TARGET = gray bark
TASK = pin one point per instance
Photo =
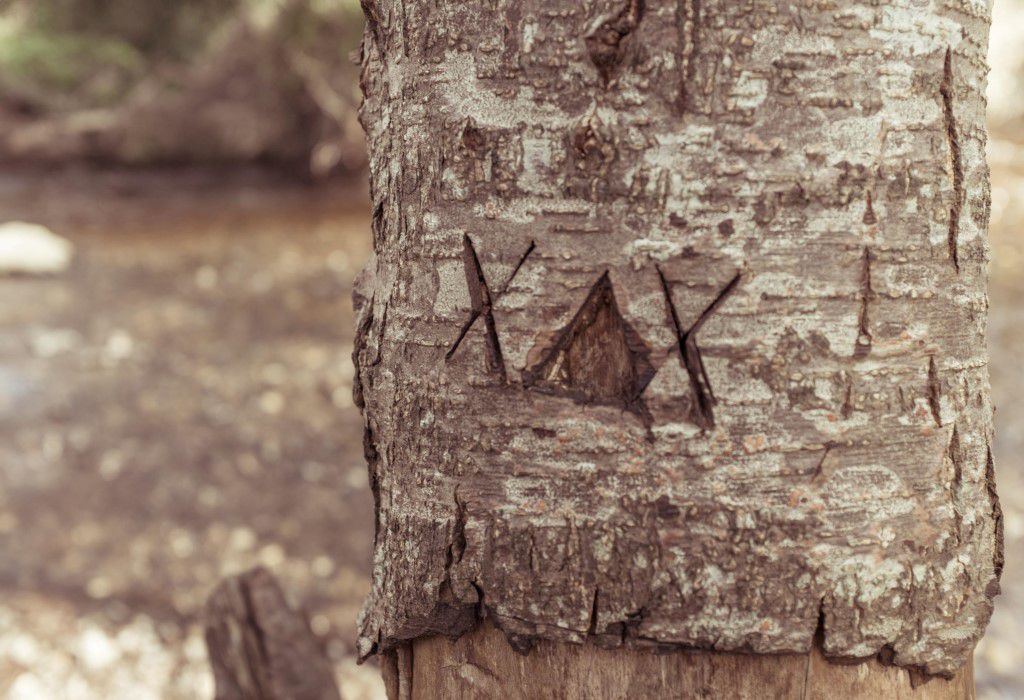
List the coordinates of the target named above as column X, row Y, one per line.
column 675, row 333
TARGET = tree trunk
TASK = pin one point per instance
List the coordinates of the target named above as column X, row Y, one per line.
column 675, row 338
column 482, row 665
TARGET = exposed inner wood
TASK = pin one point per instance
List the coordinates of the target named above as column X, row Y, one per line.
column 482, row 665
column 597, row 358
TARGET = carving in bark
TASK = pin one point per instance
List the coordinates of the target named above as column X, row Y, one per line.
column 597, row 358
column 614, row 438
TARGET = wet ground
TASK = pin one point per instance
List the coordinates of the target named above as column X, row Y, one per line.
column 177, row 407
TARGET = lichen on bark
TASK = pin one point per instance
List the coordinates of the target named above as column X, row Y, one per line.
column 564, row 194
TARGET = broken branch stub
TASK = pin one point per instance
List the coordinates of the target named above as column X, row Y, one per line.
column 260, row 648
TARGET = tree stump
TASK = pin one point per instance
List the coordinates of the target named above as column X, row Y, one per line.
column 260, row 648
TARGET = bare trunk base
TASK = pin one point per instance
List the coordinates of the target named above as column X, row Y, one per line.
column 482, row 665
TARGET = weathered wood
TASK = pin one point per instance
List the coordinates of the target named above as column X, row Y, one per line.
column 260, row 648
column 482, row 665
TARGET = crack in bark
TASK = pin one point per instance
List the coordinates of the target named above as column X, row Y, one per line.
column 604, row 44
column 870, row 219
column 934, row 391
column 380, row 334
column 482, row 304
column 372, row 21
column 689, row 12
column 689, row 353
column 457, row 544
column 372, row 457
column 592, row 627
column 998, row 558
column 846, row 410
column 820, row 468
column 480, row 610
column 867, row 294
column 956, row 457
column 946, row 89
column 817, row 640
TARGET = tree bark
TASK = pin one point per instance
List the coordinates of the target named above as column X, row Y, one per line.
column 675, row 332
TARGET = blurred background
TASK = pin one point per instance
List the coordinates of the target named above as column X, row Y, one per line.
column 175, row 388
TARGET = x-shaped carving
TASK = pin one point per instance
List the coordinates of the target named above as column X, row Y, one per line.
column 482, row 302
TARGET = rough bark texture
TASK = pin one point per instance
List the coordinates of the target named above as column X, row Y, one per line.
column 260, row 648
column 481, row 664
column 675, row 333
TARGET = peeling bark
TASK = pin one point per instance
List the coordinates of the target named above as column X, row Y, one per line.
column 559, row 189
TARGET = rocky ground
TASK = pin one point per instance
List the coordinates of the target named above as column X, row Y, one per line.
column 174, row 408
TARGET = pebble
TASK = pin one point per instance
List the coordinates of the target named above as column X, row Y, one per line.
column 119, row 346
column 207, row 277
column 323, row 566
column 99, row 587
column 31, row 249
column 272, row 403
column 242, row 539
column 51, row 342
column 96, row 650
column 272, row 555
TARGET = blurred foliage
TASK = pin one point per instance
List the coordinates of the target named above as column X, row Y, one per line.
column 53, row 68
column 152, row 27
column 323, row 26
column 148, row 81
column 60, row 54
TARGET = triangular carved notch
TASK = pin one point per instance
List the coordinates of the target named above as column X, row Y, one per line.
column 598, row 358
